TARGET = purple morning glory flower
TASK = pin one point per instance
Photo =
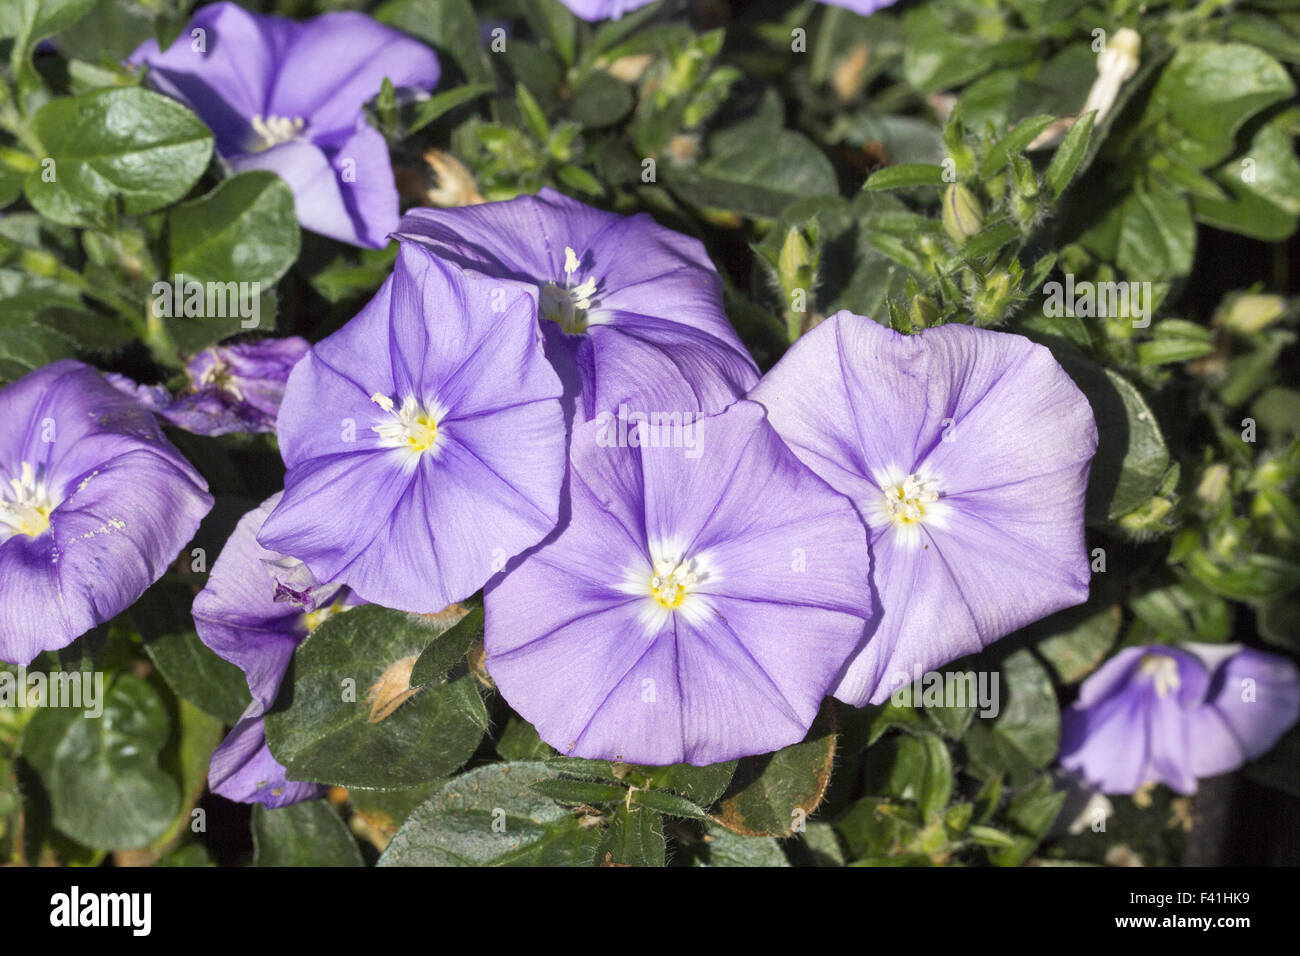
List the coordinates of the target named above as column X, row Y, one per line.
column 287, row 96
column 424, row 440
column 695, row 608
column 863, row 7
column 594, row 10
column 94, row 504
column 256, row 608
column 1170, row 715
column 236, row 388
column 613, row 9
column 966, row 452
column 636, row 308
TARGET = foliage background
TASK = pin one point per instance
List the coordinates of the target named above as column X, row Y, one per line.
column 816, row 170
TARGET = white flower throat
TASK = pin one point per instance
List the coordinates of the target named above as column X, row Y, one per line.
column 568, row 304
column 412, row 426
column 26, row 504
column 906, row 501
column 672, row 580
column 271, row 131
column 670, row 583
column 1163, row 672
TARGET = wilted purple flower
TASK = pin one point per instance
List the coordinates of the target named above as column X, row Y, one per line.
column 424, row 440
column 236, row 388
column 287, row 96
column 693, row 609
column 94, row 504
column 966, row 452
column 636, row 308
column 153, row 397
column 1170, row 715
column 256, row 608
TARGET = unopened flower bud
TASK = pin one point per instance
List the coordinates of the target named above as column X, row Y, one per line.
column 1252, row 313
column 962, row 216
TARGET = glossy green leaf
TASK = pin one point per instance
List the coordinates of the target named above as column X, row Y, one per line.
column 321, row 727
column 493, row 816
column 102, row 774
column 245, row 230
column 122, row 145
column 302, row 834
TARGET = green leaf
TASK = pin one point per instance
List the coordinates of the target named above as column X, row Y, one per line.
column 1261, row 187
column 534, row 117
column 448, row 648
column 724, row 848
column 875, row 827
column 1065, row 162
column 449, row 25
column 1075, row 641
column 576, row 792
column 493, row 816
column 245, row 230
column 773, row 794
column 702, row 785
column 1013, row 143
column 387, row 810
column 30, row 21
column 1026, row 732
column 669, row 803
column 101, row 774
column 1208, row 90
column 1030, row 814
column 600, row 100
column 1157, row 235
column 552, row 19
column 1175, row 340
column 905, row 175
column 122, row 144
column 912, row 768
column 302, row 834
column 26, row 345
column 321, row 726
column 520, row 741
column 1253, row 577
column 426, row 111
column 190, row 668
column 1132, row 456
column 633, row 838
column 756, row 167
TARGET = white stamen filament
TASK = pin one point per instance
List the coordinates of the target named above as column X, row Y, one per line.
column 906, row 500
column 414, row 425
column 273, row 130
column 568, row 304
column 25, row 508
column 1163, row 671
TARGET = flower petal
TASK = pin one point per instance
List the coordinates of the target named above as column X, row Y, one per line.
column 337, row 62
column 242, row 768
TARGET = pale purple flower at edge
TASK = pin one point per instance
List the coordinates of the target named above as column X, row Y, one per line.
column 256, row 608
column 94, row 504
column 424, row 441
column 693, row 609
column 1173, row 714
column 287, row 97
column 966, row 452
column 632, row 311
